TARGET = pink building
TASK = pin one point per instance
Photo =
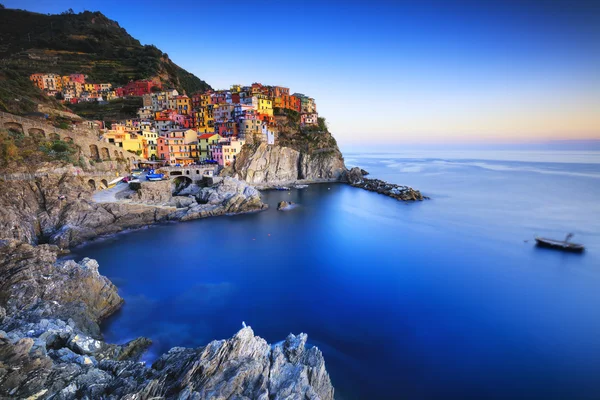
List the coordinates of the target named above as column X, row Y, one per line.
column 216, row 153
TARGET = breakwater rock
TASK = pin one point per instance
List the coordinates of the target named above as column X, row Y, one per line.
column 51, row 347
column 355, row 177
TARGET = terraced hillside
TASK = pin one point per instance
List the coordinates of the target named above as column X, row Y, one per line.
column 88, row 43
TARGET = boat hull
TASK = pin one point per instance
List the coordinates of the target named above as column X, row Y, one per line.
column 556, row 245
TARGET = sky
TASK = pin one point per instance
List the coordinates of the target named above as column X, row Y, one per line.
column 394, row 72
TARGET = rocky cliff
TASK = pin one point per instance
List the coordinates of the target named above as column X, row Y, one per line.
column 300, row 154
column 35, row 211
column 51, row 347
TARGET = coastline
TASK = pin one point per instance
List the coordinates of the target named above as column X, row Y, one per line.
column 105, row 221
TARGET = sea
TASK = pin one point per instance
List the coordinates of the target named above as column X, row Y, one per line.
column 447, row 298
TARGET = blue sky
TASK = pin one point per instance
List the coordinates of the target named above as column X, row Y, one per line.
column 396, row 72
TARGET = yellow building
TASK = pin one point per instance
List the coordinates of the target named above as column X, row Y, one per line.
column 183, row 105
column 88, row 87
column 127, row 139
column 205, row 120
column 265, row 105
column 151, row 136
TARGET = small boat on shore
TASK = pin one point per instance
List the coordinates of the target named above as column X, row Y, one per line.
column 301, row 186
column 155, row 177
column 282, row 188
column 563, row 245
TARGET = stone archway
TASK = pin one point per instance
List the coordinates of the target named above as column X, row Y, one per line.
column 94, row 154
column 181, row 182
column 121, row 154
column 92, row 184
column 103, row 184
column 36, row 133
column 104, row 153
column 14, row 126
column 116, row 155
column 54, row 136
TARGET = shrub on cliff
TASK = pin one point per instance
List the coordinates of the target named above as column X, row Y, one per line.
column 20, row 151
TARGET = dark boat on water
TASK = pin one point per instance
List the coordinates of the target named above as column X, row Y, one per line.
column 563, row 245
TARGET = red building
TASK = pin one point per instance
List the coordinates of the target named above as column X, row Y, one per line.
column 80, row 78
column 138, row 88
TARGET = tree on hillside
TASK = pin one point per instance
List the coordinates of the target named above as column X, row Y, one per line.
column 2, row 6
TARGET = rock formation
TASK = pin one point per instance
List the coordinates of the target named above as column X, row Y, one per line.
column 268, row 165
column 355, row 177
column 51, row 347
column 229, row 196
column 33, row 212
column 300, row 154
column 284, row 205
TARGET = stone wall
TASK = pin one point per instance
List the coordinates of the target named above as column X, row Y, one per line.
column 85, row 138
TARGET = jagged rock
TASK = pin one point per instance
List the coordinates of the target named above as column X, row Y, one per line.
column 398, row 192
column 284, row 205
column 183, row 202
column 31, row 281
column 158, row 192
column 49, row 350
column 229, row 196
column 354, row 176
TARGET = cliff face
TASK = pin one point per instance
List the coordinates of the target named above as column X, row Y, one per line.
column 34, row 211
column 300, row 154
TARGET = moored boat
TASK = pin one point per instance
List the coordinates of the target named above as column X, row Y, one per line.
column 155, row 177
column 563, row 245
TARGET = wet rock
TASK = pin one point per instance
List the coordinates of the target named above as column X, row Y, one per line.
column 354, row 176
column 398, row 192
column 284, row 205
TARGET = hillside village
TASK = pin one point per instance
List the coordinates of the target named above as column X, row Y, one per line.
column 210, row 126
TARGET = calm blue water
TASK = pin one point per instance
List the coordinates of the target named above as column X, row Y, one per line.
column 432, row 300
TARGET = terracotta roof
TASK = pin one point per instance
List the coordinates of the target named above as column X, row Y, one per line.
column 206, row 136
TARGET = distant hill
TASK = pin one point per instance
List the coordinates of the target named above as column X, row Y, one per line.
column 88, row 43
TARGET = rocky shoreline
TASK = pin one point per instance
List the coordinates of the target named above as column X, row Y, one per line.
column 51, row 345
column 355, row 177
column 50, row 341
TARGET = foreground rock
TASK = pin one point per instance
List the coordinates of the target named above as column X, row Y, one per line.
column 355, row 177
column 51, row 347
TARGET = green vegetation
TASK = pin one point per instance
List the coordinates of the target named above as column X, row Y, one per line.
column 309, row 139
column 294, row 115
column 18, row 95
column 87, row 43
column 115, row 109
column 16, row 149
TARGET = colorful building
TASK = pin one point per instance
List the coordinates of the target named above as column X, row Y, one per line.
column 204, row 142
